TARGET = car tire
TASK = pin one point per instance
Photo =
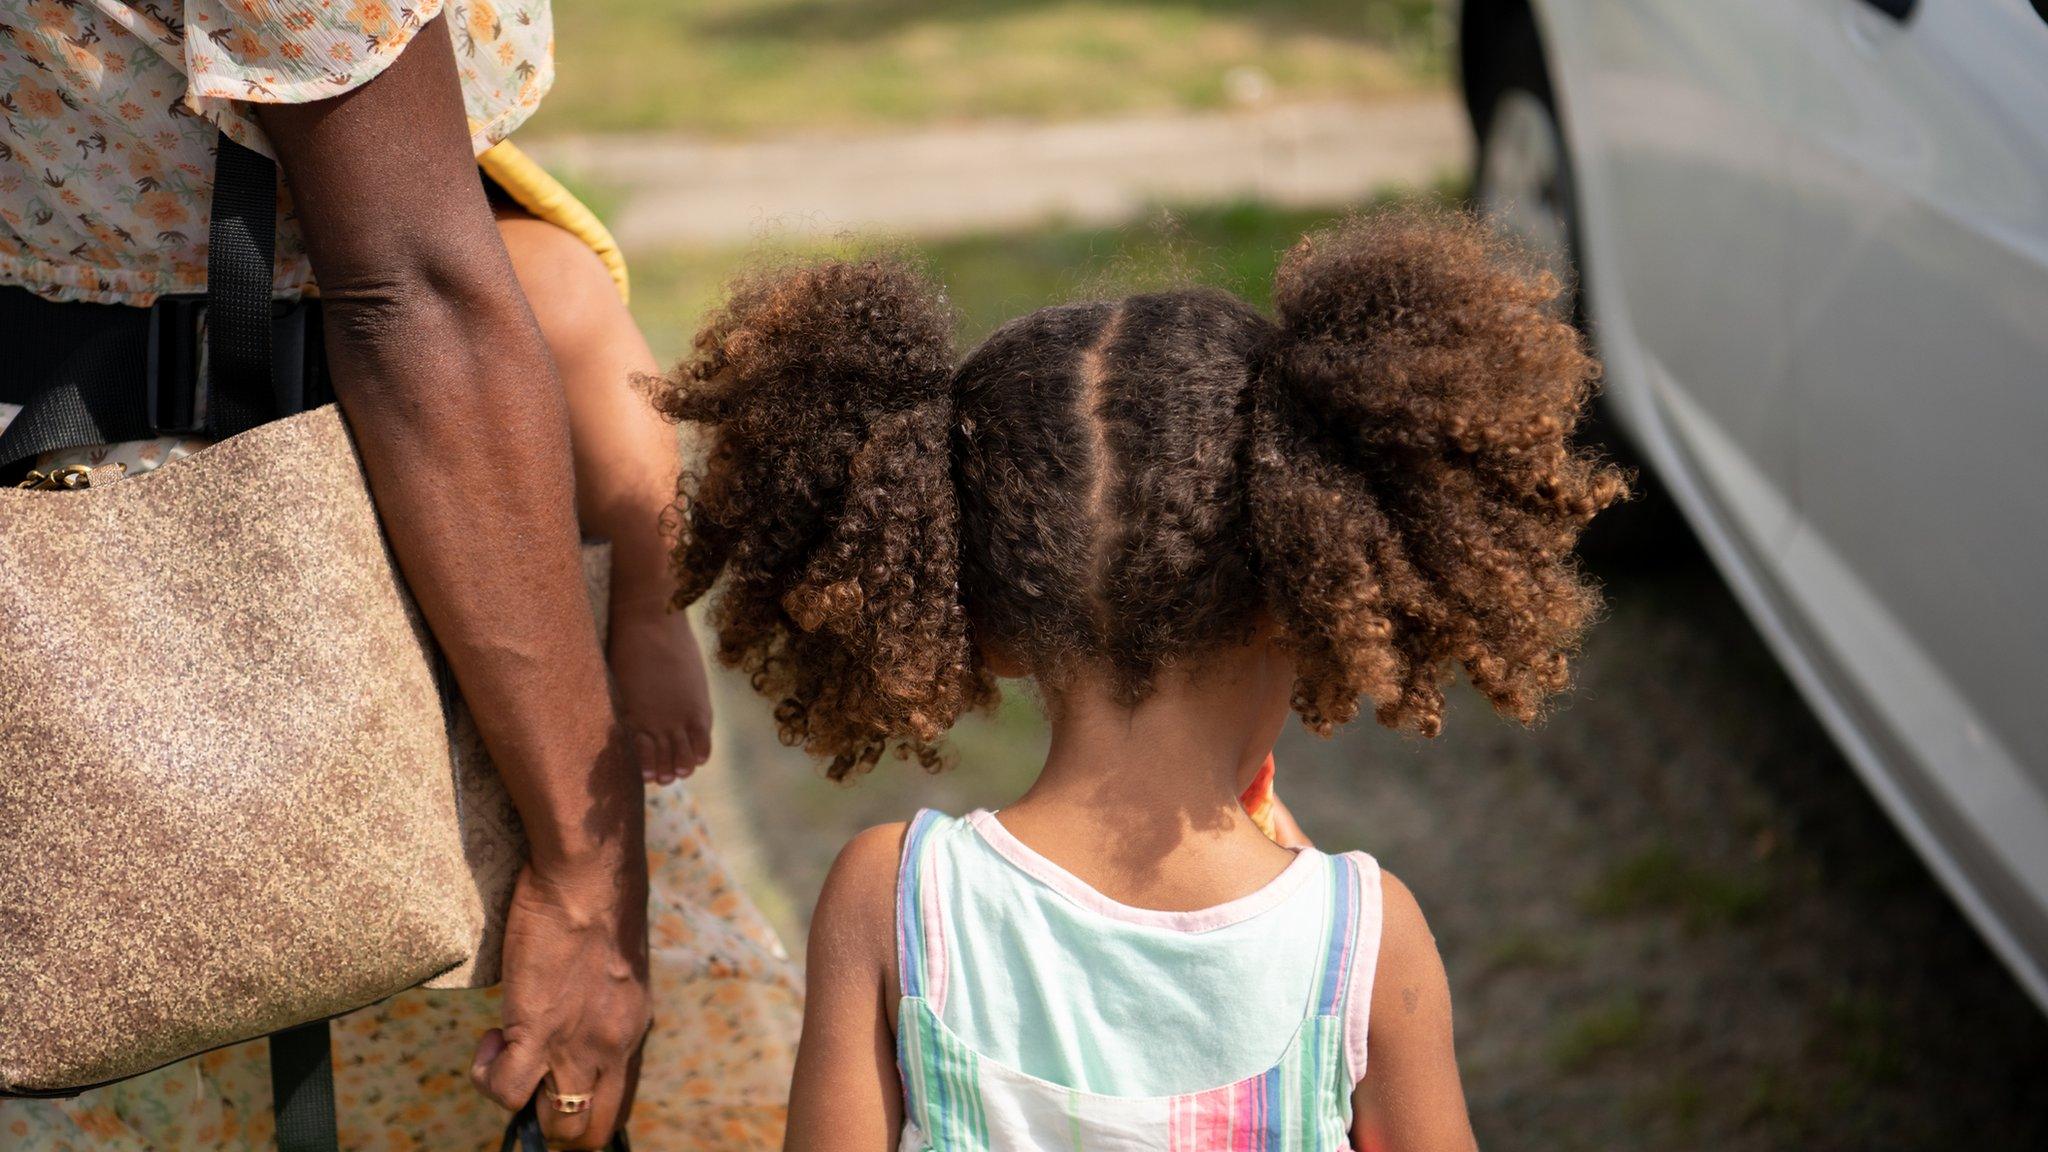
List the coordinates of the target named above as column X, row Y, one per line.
column 1523, row 182
column 1523, row 179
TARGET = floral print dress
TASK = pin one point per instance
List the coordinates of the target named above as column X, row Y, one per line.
column 110, row 107
column 108, row 114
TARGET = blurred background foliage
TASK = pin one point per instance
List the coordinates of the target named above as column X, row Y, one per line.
column 994, row 276
column 734, row 68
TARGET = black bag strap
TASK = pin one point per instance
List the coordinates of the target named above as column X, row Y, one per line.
column 73, row 369
column 236, row 373
column 215, row 365
column 240, row 258
column 302, row 1088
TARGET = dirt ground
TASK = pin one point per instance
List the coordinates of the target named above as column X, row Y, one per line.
column 1672, row 916
column 663, row 190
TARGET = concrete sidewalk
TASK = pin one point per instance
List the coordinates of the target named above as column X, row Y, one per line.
column 995, row 176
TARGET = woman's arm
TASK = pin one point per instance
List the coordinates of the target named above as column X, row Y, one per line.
column 626, row 466
column 846, row 1096
column 464, row 435
column 1411, row 1099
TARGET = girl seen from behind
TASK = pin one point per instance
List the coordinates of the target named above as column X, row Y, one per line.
column 1182, row 521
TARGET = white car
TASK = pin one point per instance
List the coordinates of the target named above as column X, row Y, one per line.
column 1812, row 240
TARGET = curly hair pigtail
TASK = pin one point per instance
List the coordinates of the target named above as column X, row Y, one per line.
column 826, row 505
column 1414, row 492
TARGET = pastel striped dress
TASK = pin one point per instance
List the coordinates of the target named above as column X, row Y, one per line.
column 1037, row 1013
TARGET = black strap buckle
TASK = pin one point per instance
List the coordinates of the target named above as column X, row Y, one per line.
column 176, row 374
column 212, row 365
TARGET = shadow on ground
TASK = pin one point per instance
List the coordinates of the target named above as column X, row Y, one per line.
column 1672, row 915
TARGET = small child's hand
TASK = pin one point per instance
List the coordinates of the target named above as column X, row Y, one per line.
column 1287, row 833
column 664, row 698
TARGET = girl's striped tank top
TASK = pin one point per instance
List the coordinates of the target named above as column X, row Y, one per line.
column 1037, row 1013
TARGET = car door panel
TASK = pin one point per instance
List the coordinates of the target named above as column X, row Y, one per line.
column 1919, row 233
column 1678, row 113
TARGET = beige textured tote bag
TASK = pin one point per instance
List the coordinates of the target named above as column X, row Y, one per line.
column 231, row 797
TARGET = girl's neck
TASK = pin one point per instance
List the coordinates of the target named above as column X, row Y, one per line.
column 1141, row 802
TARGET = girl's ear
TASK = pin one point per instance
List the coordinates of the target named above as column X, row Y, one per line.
column 999, row 660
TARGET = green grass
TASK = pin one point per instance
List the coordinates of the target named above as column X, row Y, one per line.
column 1681, row 1101
column 746, row 67
column 994, row 277
column 1858, row 1052
column 1585, row 1039
column 1661, row 879
column 1779, row 1101
column 1523, row 950
column 1863, row 1030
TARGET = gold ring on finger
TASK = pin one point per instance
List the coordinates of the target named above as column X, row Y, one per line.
column 569, row 1103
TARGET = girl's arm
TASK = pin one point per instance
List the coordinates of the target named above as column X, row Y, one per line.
column 846, row 1096
column 1411, row 1099
column 626, row 466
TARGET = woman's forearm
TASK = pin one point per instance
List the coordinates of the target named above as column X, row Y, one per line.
column 463, row 431
column 470, row 465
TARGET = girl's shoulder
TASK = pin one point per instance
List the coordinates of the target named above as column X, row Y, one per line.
column 1409, row 992
column 863, row 876
column 865, row 872
column 855, row 918
column 870, row 863
column 1407, row 946
column 856, row 910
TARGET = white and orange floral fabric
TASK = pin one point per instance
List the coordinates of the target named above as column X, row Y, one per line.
column 108, row 110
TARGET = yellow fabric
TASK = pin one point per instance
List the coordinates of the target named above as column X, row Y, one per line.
column 544, row 196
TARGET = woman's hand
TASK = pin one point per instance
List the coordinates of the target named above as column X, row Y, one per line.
column 664, row 697
column 576, row 1004
column 466, row 437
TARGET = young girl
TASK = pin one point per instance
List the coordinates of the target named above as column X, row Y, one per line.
column 1182, row 520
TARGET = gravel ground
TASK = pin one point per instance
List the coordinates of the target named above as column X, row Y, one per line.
column 1672, row 916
